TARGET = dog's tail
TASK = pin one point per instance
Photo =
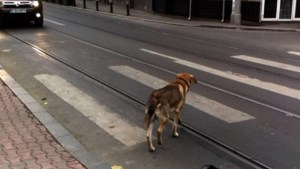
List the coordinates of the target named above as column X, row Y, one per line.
column 150, row 111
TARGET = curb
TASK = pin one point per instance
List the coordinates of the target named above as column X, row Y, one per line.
column 249, row 28
column 64, row 137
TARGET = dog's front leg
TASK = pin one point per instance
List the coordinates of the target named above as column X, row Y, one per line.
column 149, row 137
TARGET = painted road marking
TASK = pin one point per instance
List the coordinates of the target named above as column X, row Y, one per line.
column 268, row 63
column 294, row 53
column 112, row 123
column 197, row 101
column 57, row 23
column 279, row 89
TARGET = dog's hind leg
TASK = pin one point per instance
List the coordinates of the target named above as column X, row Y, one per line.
column 163, row 122
column 149, row 137
column 180, row 121
column 175, row 125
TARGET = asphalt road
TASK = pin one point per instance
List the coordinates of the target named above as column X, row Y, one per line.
column 247, row 97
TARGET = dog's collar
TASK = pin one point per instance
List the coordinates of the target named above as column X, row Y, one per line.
column 185, row 81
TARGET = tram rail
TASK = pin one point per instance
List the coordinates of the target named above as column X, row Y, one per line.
column 245, row 159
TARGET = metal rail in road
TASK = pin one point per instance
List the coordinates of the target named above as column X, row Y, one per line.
column 243, row 158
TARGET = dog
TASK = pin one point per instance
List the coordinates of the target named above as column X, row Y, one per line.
column 165, row 101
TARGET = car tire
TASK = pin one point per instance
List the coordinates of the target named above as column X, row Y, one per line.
column 39, row 22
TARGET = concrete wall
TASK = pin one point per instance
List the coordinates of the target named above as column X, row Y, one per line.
column 139, row 4
column 143, row 5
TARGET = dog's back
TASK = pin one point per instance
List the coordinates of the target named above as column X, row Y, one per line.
column 168, row 96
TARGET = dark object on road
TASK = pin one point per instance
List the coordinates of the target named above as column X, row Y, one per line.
column 209, row 167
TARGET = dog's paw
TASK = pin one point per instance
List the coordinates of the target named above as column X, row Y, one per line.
column 179, row 121
column 151, row 149
column 159, row 142
column 175, row 134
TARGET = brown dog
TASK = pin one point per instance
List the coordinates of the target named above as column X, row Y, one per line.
column 162, row 102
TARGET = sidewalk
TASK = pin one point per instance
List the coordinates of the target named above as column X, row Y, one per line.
column 120, row 11
column 30, row 138
column 24, row 141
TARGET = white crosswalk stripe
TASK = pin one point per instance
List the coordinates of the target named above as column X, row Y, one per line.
column 294, row 53
column 197, row 101
column 57, row 23
column 276, row 88
column 268, row 63
column 125, row 132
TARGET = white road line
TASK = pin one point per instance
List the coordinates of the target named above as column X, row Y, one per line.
column 268, row 63
column 294, row 53
column 279, row 89
column 197, row 101
column 57, row 23
column 126, row 133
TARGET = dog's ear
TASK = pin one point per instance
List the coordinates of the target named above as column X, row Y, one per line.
column 193, row 80
column 190, row 78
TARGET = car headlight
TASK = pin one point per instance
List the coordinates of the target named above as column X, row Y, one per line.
column 35, row 3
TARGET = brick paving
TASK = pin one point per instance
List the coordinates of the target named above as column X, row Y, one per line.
column 24, row 142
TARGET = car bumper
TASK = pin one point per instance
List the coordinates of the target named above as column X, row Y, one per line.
column 30, row 14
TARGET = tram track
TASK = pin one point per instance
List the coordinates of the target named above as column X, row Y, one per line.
column 202, row 82
column 199, row 134
column 186, row 127
column 202, row 56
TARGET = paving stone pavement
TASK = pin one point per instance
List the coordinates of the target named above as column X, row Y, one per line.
column 24, row 142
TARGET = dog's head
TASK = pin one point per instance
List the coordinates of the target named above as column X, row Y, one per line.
column 188, row 78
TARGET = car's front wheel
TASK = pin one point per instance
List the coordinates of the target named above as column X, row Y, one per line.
column 39, row 22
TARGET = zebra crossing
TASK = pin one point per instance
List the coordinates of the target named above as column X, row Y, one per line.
column 276, row 88
column 130, row 134
column 101, row 115
column 197, row 101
